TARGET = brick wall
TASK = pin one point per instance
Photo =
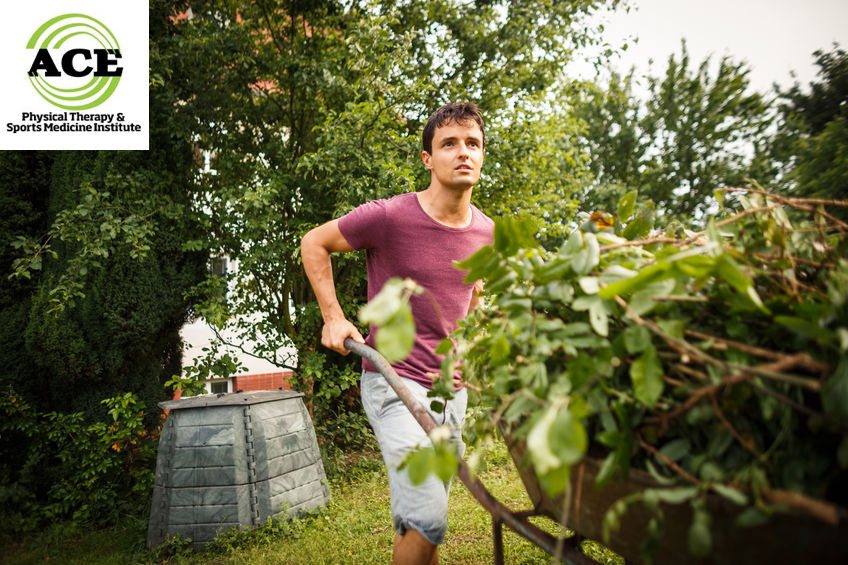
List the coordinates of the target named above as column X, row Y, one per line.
column 263, row 381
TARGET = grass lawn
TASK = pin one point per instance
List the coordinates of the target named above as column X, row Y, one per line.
column 354, row 528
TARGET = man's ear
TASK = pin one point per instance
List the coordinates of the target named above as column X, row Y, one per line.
column 426, row 157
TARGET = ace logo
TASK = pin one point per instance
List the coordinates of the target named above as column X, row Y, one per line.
column 76, row 75
column 67, row 85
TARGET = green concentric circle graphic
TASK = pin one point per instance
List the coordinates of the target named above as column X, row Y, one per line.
column 65, row 92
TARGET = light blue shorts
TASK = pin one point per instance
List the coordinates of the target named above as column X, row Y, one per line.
column 423, row 507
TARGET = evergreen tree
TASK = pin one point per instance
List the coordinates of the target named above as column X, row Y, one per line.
column 105, row 262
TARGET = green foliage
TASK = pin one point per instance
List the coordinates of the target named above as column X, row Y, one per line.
column 236, row 540
column 210, row 365
column 100, row 268
column 439, row 458
column 24, row 181
column 534, row 166
column 109, row 303
column 348, row 447
column 696, row 130
column 390, row 310
column 714, row 360
column 813, row 138
column 57, row 467
column 326, row 114
column 825, row 100
column 175, row 547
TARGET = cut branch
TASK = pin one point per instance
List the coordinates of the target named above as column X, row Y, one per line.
column 668, row 462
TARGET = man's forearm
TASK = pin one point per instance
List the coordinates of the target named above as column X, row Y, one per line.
column 319, row 271
column 315, row 250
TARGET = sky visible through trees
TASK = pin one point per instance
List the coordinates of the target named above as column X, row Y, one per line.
column 773, row 36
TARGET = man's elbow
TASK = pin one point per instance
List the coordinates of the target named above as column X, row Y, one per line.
column 308, row 242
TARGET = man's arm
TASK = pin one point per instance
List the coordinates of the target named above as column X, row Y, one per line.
column 315, row 249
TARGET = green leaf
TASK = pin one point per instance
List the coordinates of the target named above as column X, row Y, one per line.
column 538, row 443
column 606, row 472
column 587, row 258
column 806, row 329
column 834, row 393
column 700, row 539
column 386, row 304
column 555, row 481
column 501, row 279
column 512, row 234
column 445, row 346
column 674, row 328
column 509, row 303
column 647, row 375
column 444, row 464
column 636, row 228
column 636, row 339
column 500, row 348
column 598, row 318
column 730, row 493
column 652, row 470
column 397, row 336
column 419, row 464
column 676, row 449
column 568, row 439
column 730, row 272
column 677, row 495
column 626, row 205
column 584, row 303
column 751, row 517
column 573, row 244
column 646, row 276
column 643, row 301
column 480, row 265
column 590, row 285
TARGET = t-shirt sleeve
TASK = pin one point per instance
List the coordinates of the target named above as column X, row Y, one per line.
column 364, row 226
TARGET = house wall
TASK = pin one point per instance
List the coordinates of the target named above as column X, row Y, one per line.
column 263, row 381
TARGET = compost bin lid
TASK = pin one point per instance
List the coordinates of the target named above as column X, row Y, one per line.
column 229, row 399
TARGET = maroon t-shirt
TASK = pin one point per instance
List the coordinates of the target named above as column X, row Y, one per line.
column 403, row 241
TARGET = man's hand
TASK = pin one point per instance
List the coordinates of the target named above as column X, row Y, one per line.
column 336, row 331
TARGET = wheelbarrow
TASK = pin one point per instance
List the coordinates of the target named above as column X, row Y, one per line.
column 566, row 550
column 786, row 538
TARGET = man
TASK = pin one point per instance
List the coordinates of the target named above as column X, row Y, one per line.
column 416, row 235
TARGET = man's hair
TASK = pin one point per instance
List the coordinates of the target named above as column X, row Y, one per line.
column 456, row 112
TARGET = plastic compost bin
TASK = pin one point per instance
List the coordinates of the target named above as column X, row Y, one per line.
column 234, row 460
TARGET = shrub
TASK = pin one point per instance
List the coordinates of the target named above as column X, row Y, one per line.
column 58, row 467
column 717, row 361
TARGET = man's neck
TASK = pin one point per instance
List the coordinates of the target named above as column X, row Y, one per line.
column 449, row 207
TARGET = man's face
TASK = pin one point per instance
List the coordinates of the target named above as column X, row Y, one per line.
column 457, row 156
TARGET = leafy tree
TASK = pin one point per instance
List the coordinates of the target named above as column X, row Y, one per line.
column 813, row 140
column 24, row 179
column 311, row 108
column 534, row 166
column 826, row 99
column 613, row 138
column 697, row 131
column 108, row 266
